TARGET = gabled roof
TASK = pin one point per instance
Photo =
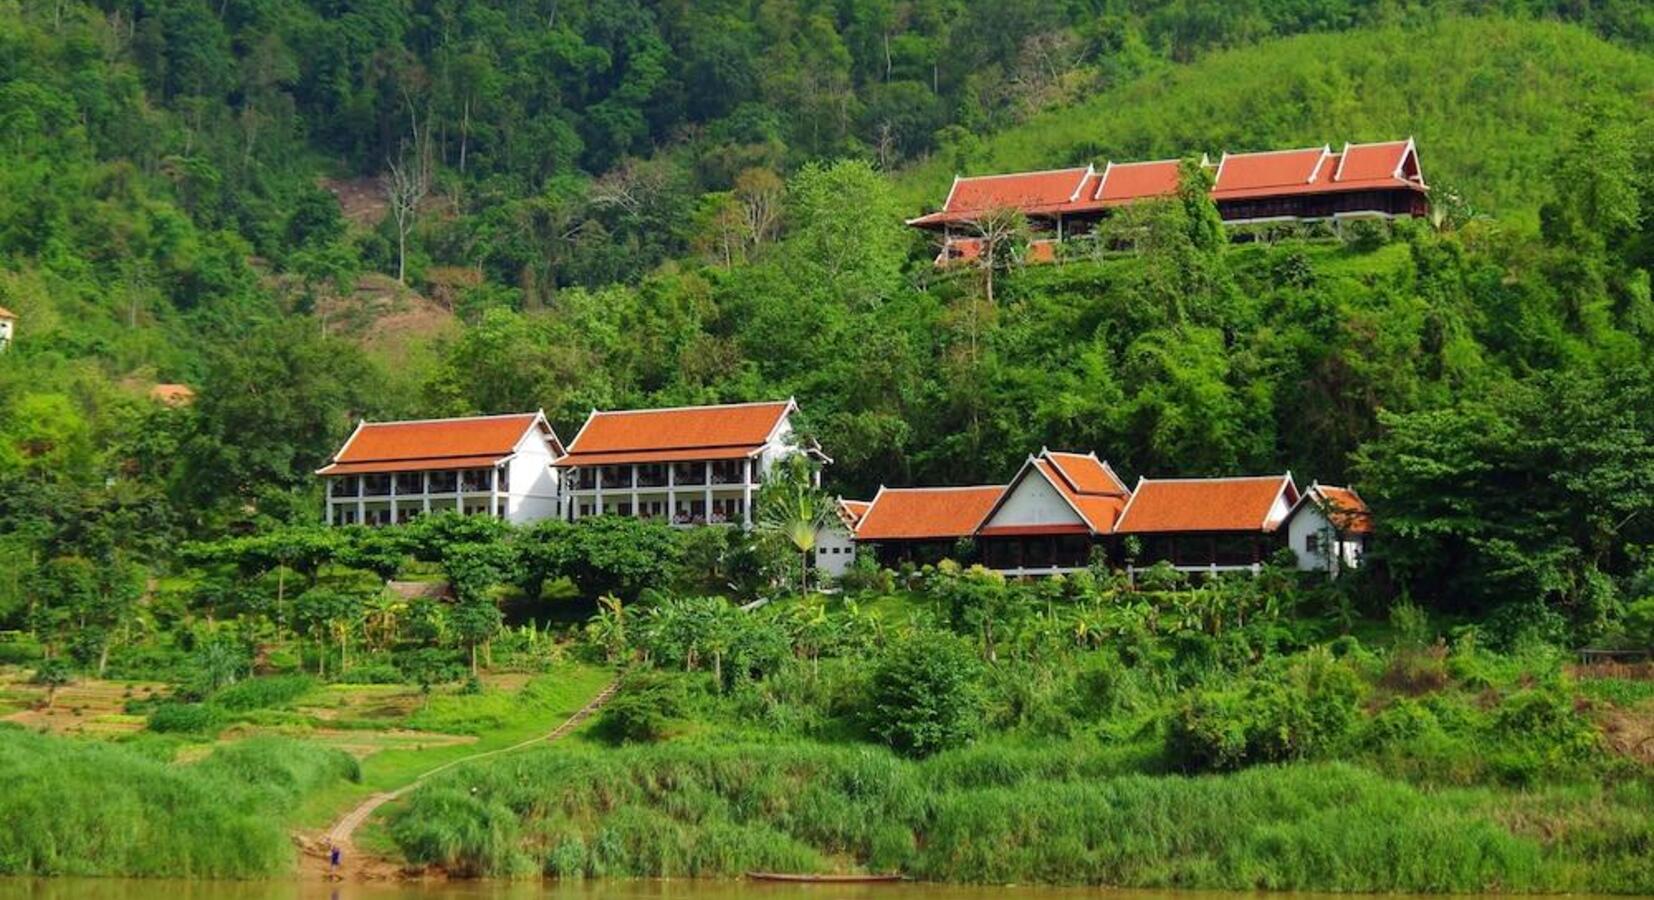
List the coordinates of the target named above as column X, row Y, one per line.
column 731, row 431
column 1206, row 504
column 929, row 513
column 1390, row 160
column 1092, row 490
column 6, row 313
column 1125, row 182
column 1239, row 176
column 462, row 443
column 1342, row 506
column 1359, row 167
column 172, row 394
column 850, row 512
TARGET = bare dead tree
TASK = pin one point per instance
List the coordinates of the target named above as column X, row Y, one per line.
column 406, row 183
column 1003, row 237
column 761, row 194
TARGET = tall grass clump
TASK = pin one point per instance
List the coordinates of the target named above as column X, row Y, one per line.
column 263, row 693
column 86, row 808
column 1070, row 813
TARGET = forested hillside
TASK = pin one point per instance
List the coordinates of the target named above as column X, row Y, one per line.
column 609, row 204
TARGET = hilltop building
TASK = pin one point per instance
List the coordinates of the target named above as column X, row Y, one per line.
column 390, row 472
column 1372, row 181
column 688, row 465
column 8, row 324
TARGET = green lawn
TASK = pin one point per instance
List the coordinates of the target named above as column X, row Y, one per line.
column 498, row 719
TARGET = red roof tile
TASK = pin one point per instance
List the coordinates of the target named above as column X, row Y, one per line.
column 1125, row 182
column 935, row 513
column 1270, row 169
column 851, row 511
column 652, row 435
column 443, row 464
column 1342, row 506
column 6, row 313
column 1017, row 191
column 1204, row 504
column 425, row 444
column 1086, row 473
column 1370, row 162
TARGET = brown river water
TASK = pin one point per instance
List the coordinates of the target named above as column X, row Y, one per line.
column 134, row 889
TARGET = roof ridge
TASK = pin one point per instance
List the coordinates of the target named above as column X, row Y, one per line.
column 1051, row 171
column 518, row 415
column 658, row 409
column 1146, row 479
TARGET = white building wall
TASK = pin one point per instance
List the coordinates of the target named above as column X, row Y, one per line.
column 1279, row 511
column 1035, row 502
column 534, row 488
column 835, row 550
column 1332, row 553
column 5, row 333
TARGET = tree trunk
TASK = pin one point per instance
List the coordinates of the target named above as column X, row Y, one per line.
column 473, row 659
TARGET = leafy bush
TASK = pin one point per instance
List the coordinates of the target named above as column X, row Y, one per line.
column 1293, row 714
column 198, row 719
column 263, row 693
column 644, row 710
column 926, row 694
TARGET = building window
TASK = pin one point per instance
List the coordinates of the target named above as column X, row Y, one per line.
column 410, row 482
column 504, row 475
column 346, row 486
column 689, row 473
column 617, row 477
column 728, row 471
column 586, row 477
column 651, row 475
column 443, row 482
column 585, row 510
column 376, row 485
column 1312, row 543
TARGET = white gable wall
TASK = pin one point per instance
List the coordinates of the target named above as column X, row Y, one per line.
column 1279, row 510
column 1035, row 502
column 835, row 550
column 534, row 491
column 1331, row 553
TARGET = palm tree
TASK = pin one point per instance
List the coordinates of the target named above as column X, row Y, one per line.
column 797, row 510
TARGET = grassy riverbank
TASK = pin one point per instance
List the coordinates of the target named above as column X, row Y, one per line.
column 75, row 807
column 1067, row 813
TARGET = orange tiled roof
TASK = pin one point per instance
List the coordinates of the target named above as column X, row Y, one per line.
column 1205, row 504
column 934, row 513
column 1393, row 164
column 433, row 443
column 654, row 435
column 172, row 394
column 6, row 313
column 851, row 511
column 1086, row 473
column 1239, row 176
column 1343, row 506
column 1085, row 482
column 1125, row 182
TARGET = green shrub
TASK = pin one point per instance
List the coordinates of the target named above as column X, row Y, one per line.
column 644, row 710
column 197, row 719
column 926, row 694
column 263, row 693
column 373, row 673
column 1296, row 713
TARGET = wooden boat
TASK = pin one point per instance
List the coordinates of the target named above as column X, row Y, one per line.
column 831, row 878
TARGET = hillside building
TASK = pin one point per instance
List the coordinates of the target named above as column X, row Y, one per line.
column 1208, row 524
column 836, row 544
column 1329, row 528
column 687, row 465
column 391, row 472
column 1054, row 512
column 8, row 324
column 1312, row 184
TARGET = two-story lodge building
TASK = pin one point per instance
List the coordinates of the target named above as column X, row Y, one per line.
column 390, row 472
column 687, row 465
